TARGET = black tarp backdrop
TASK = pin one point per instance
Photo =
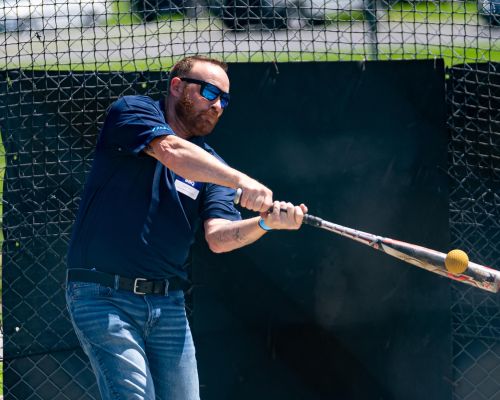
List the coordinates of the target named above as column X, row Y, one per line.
column 302, row 315
column 309, row 315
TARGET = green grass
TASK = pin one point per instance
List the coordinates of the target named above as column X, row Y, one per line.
column 122, row 14
column 451, row 55
column 457, row 12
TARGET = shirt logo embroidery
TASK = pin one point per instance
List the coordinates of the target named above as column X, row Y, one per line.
column 161, row 128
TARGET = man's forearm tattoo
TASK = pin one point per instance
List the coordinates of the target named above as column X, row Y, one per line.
column 231, row 235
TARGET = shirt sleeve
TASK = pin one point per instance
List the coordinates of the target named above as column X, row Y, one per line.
column 133, row 122
column 218, row 203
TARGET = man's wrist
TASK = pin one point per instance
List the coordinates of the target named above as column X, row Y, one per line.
column 262, row 225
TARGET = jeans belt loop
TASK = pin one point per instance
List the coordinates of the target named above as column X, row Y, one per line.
column 117, row 282
column 166, row 287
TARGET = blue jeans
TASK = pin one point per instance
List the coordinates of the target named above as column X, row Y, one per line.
column 140, row 347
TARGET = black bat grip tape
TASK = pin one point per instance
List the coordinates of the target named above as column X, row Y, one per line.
column 312, row 220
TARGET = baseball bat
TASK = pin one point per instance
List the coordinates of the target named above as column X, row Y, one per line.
column 476, row 275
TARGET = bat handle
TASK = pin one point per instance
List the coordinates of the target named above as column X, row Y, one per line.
column 308, row 219
column 312, row 220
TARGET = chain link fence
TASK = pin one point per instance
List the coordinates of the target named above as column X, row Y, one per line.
column 474, row 151
column 63, row 63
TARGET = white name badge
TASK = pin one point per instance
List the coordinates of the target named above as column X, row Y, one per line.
column 187, row 187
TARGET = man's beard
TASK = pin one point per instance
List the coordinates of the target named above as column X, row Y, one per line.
column 197, row 124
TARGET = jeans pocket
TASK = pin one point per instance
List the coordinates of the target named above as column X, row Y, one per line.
column 87, row 290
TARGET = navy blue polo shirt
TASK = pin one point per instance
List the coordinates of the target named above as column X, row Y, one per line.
column 137, row 218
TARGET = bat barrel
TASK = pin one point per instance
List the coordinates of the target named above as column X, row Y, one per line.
column 488, row 278
column 475, row 275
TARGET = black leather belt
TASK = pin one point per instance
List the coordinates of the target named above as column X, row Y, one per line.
column 137, row 285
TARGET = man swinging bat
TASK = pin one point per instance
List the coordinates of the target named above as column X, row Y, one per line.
column 154, row 180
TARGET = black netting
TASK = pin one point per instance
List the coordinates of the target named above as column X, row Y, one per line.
column 64, row 61
column 474, row 150
column 49, row 133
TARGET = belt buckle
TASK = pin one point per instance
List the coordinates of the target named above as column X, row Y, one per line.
column 136, row 280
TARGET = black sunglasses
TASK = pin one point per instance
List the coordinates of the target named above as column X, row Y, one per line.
column 209, row 91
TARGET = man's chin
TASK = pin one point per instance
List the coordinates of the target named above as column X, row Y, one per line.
column 205, row 127
column 204, row 130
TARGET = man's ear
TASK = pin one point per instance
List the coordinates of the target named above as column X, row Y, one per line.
column 175, row 87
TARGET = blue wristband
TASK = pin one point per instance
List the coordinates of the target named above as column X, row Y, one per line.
column 263, row 225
